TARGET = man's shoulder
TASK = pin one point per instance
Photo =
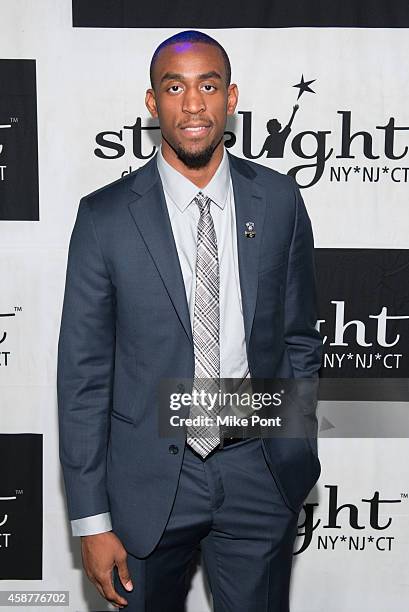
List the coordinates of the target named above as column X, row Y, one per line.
column 119, row 185
column 119, row 190
column 268, row 177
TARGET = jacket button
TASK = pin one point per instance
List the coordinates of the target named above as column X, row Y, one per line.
column 173, row 449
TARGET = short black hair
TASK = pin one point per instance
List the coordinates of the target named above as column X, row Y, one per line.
column 191, row 36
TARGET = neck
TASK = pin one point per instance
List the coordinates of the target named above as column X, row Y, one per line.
column 199, row 176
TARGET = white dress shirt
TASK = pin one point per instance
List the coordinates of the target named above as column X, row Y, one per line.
column 184, row 217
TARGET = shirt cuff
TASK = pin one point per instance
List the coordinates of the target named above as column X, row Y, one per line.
column 90, row 525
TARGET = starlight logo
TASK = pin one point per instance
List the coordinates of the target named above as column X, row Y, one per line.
column 18, row 141
column 363, row 312
column 3, row 169
column 21, row 494
column 335, row 525
column 367, row 155
column 5, row 355
column 388, row 360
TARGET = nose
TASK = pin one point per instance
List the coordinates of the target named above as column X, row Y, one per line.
column 193, row 101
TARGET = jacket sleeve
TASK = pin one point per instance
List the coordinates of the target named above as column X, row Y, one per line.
column 304, row 342
column 85, row 366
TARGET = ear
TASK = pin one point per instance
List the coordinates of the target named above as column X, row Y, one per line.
column 232, row 98
column 150, row 102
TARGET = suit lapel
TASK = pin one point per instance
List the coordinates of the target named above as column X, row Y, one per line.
column 150, row 214
column 250, row 204
column 151, row 217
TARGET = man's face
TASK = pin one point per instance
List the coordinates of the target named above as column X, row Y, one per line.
column 191, row 100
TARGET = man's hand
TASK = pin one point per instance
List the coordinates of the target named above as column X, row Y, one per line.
column 100, row 553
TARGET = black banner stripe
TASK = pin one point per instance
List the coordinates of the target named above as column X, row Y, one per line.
column 184, row 14
column 19, row 197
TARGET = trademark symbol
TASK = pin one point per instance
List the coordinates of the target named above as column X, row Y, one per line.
column 19, row 491
column 13, row 119
column 404, row 495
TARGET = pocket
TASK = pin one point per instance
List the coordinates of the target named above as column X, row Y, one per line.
column 122, row 417
column 267, row 465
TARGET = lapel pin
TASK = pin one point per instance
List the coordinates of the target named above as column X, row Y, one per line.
column 250, row 231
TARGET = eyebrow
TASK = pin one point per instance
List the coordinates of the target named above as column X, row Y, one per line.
column 177, row 76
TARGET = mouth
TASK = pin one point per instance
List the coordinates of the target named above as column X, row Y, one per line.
column 196, row 131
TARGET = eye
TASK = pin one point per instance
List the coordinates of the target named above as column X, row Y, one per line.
column 211, row 86
column 173, row 88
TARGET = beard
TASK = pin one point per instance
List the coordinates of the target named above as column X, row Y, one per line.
column 198, row 159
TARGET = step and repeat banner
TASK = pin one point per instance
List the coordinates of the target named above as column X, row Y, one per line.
column 323, row 90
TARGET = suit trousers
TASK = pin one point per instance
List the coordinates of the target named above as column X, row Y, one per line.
column 228, row 507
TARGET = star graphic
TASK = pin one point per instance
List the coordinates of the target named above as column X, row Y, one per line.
column 357, row 169
column 350, row 356
column 343, row 538
column 385, row 169
column 304, row 86
column 378, row 356
column 370, row 539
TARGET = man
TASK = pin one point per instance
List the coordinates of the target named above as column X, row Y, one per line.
column 199, row 264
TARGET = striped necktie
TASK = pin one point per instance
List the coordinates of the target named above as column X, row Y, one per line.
column 206, row 324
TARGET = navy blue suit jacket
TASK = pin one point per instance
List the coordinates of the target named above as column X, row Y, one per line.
column 125, row 325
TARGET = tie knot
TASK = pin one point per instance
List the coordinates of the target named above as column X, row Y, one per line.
column 203, row 203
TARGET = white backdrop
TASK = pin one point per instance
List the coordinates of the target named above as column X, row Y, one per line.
column 94, row 80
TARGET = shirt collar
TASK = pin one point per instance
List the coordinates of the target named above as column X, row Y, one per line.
column 182, row 191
